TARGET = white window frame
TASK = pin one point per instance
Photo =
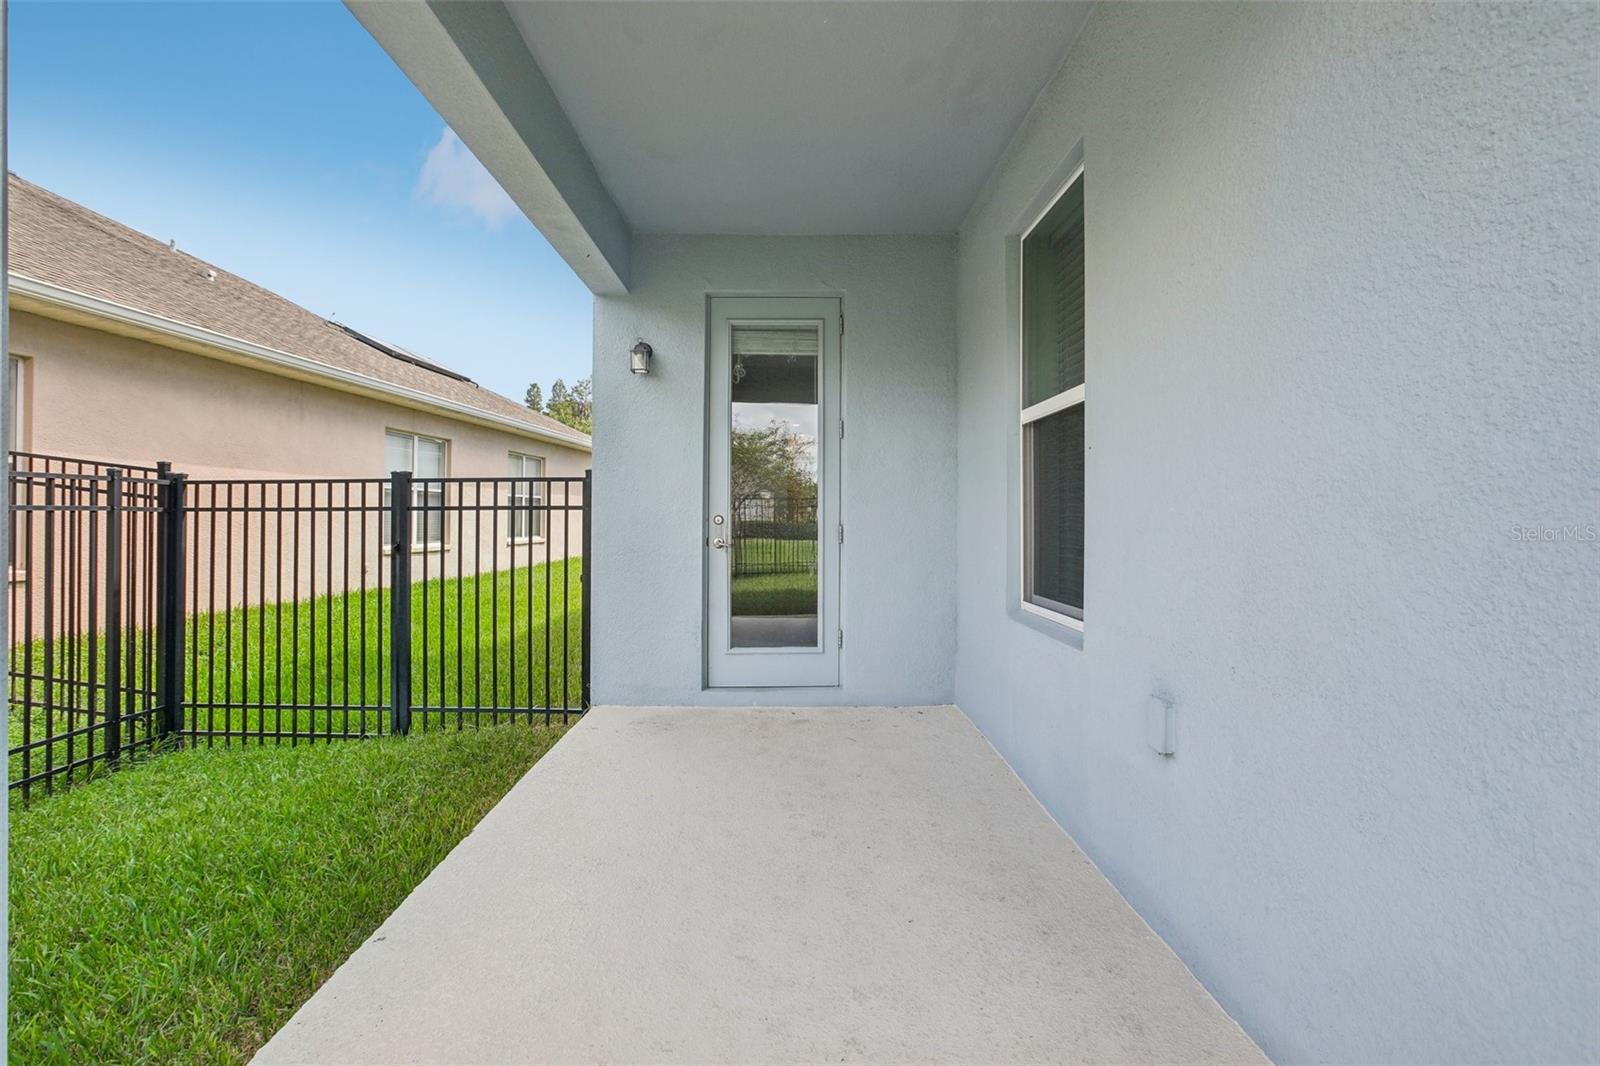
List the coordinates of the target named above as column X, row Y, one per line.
column 418, row 492
column 17, row 367
column 1061, row 401
column 520, row 500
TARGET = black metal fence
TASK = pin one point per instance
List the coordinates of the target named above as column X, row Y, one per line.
column 148, row 608
column 775, row 536
column 83, row 602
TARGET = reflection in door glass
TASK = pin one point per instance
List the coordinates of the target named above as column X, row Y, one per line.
column 774, row 486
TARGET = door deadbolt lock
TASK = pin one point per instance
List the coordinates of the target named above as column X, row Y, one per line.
column 716, row 520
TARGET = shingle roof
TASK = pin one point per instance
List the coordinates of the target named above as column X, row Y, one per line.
column 63, row 243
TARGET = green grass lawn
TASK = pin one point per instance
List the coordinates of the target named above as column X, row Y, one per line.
column 774, row 594
column 477, row 641
column 182, row 912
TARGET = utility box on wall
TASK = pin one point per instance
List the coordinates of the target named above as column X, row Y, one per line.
column 1161, row 725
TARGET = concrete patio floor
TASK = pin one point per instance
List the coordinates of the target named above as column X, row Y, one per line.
column 713, row 885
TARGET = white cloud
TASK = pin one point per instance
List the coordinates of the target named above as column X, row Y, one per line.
column 453, row 177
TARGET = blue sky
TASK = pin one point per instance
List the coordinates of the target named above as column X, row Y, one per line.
column 279, row 142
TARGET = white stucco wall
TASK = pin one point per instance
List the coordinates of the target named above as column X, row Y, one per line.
column 1342, row 342
column 898, row 605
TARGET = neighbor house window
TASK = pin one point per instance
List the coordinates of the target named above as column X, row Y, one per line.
column 423, row 457
column 19, row 410
column 19, row 406
column 527, row 494
column 1052, row 409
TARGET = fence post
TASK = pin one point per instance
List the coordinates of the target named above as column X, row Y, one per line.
column 400, row 602
column 169, row 599
column 113, row 689
column 588, row 566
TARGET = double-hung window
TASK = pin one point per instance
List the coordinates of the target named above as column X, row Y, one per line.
column 424, row 458
column 1052, row 405
column 527, row 496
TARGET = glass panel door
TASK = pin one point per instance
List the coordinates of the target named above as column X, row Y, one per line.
column 772, row 566
column 773, row 475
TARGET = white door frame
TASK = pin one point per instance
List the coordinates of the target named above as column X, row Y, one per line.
column 726, row 666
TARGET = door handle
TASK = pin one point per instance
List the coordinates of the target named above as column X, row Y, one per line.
column 718, row 542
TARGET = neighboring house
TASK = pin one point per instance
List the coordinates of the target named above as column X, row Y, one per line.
column 126, row 349
column 1326, row 274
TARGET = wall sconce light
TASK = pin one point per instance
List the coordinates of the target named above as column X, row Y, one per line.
column 639, row 358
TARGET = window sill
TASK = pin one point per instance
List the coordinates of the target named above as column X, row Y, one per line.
column 1048, row 615
column 518, row 542
column 1068, row 631
column 421, row 549
column 16, row 577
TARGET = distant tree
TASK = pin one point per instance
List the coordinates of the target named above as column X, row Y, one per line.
column 574, row 406
column 773, row 459
column 583, row 403
column 535, row 397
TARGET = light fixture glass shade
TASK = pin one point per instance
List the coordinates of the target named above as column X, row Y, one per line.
column 639, row 358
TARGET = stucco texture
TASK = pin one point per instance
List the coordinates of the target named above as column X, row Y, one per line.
column 1342, row 338
column 898, row 604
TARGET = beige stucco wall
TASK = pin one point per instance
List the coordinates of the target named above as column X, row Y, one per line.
column 103, row 396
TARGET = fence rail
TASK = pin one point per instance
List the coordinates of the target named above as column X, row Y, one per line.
column 45, row 463
column 150, row 608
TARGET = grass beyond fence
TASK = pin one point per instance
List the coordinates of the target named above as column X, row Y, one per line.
column 478, row 641
column 183, row 912
column 320, row 667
